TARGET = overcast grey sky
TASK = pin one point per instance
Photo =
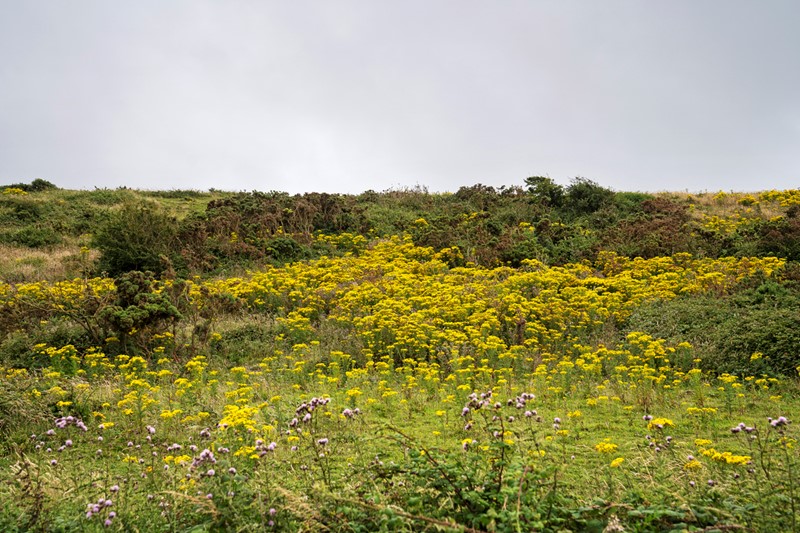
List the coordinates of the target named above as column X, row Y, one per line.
column 350, row 95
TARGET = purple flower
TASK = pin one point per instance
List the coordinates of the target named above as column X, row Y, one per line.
column 210, row 472
column 232, row 471
column 272, row 511
column 107, row 522
column 114, row 488
column 322, row 442
column 53, row 462
column 151, row 430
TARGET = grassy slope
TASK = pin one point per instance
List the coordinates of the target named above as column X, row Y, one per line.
column 359, row 330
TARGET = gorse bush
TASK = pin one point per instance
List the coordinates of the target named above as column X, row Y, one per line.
column 138, row 237
column 752, row 331
column 37, row 185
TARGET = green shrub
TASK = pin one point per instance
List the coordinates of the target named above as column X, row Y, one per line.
column 545, row 191
column 285, row 249
column 239, row 344
column 37, row 185
column 727, row 331
column 584, row 197
column 34, row 237
column 139, row 311
column 107, row 197
column 20, row 210
column 138, row 237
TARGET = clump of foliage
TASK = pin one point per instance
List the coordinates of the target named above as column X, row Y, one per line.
column 138, row 236
column 139, row 312
column 37, row 185
column 753, row 330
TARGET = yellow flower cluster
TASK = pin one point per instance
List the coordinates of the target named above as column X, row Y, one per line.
column 606, row 446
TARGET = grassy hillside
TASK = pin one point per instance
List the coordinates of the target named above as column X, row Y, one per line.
column 535, row 358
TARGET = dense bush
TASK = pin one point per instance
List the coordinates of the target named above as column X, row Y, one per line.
column 138, row 237
column 34, row 237
column 37, row 185
column 139, row 312
column 545, row 191
column 754, row 330
column 584, row 197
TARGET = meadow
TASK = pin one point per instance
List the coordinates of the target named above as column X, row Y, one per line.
column 383, row 384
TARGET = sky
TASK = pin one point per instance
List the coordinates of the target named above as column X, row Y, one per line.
column 354, row 95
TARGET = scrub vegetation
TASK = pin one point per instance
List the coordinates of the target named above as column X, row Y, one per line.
column 532, row 358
